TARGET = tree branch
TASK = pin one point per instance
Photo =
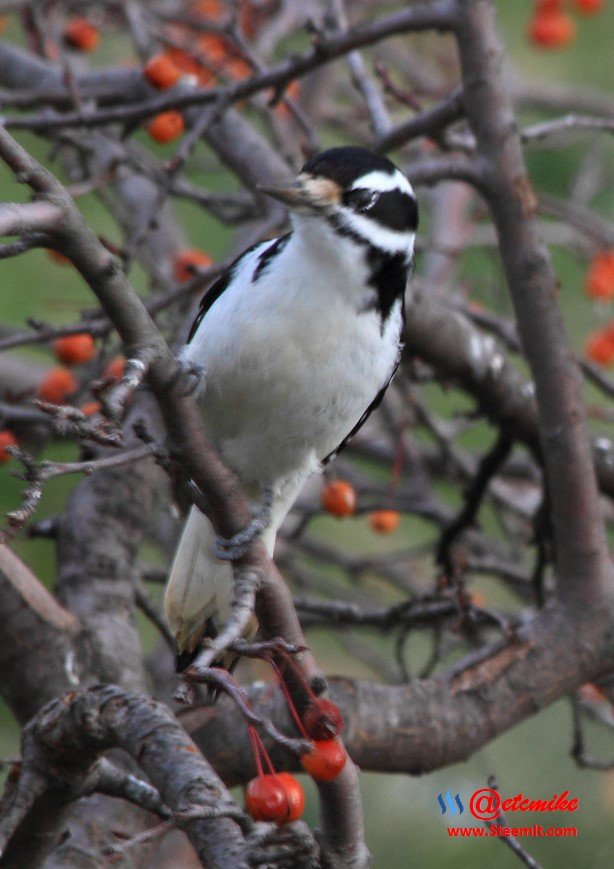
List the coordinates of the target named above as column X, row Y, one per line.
column 18, row 219
column 88, row 723
column 426, row 123
column 38, row 652
column 482, row 696
column 585, row 573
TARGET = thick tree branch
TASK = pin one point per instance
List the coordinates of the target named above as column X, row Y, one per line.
column 38, row 652
column 86, row 724
column 585, row 572
column 445, row 719
column 17, row 219
column 449, row 342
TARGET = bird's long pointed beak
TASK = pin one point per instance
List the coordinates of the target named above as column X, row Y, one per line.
column 294, row 195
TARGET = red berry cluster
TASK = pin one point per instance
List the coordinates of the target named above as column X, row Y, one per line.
column 551, row 26
column 277, row 796
column 272, row 796
column 320, row 725
column 59, row 383
column 204, row 57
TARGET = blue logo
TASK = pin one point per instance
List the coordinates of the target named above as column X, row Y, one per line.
column 449, row 803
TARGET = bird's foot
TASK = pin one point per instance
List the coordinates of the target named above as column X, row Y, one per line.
column 231, row 548
column 190, row 376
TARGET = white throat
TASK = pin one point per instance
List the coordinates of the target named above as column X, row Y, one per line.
column 325, row 246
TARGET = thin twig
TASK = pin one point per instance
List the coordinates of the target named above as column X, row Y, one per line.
column 37, row 476
column 511, row 841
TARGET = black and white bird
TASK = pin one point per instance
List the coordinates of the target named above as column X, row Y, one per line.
column 297, row 343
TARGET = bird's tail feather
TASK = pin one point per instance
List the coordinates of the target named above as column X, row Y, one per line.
column 200, row 587
column 199, row 593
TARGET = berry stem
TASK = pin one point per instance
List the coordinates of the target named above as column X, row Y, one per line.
column 253, row 738
column 284, row 690
column 260, row 751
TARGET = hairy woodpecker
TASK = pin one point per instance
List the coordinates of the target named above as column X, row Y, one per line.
column 297, row 342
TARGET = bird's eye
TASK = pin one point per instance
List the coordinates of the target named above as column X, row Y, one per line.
column 360, row 199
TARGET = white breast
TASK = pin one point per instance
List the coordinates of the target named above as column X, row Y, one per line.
column 292, row 362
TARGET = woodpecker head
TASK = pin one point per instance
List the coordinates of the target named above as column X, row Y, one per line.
column 360, row 194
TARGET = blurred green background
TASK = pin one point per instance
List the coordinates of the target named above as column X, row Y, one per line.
column 404, row 823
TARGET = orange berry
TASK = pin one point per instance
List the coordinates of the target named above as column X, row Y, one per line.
column 74, row 349
column 384, row 521
column 91, row 408
column 599, row 346
column 7, row 439
column 211, row 9
column 322, row 719
column 265, row 799
column 58, row 257
column 326, row 760
column 590, row 7
column 247, row 18
column 213, row 48
column 295, row 796
column 253, row 15
column 161, row 72
column 339, row 498
column 182, row 60
column 600, row 277
column 551, row 29
column 115, row 368
column 57, row 385
column 238, row 68
column 166, row 126
column 217, row 55
column 275, row 797
column 292, row 91
column 81, row 34
column 187, row 262
column 190, row 66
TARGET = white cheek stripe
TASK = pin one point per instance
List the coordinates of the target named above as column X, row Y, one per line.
column 382, row 182
column 389, row 240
